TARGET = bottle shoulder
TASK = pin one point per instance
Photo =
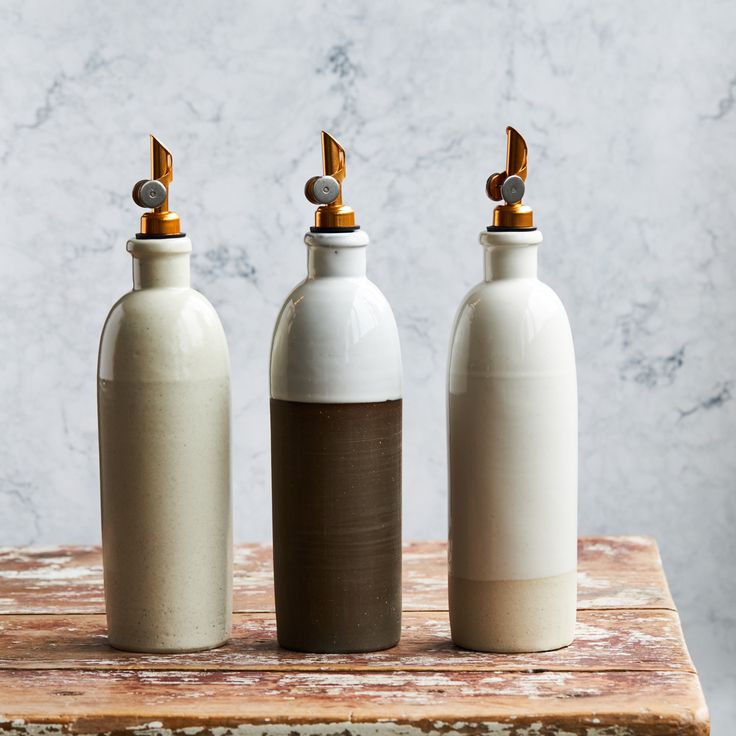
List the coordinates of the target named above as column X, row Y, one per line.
column 153, row 334
column 169, row 299
column 511, row 325
column 335, row 304
column 496, row 302
column 341, row 291
column 163, row 309
column 515, row 291
column 336, row 340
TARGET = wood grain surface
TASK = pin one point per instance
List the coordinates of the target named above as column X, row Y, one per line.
column 628, row 671
column 614, row 572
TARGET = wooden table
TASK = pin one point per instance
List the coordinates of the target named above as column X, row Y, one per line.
column 628, row 671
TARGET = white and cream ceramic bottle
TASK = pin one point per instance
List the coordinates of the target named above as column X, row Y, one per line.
column 336, row 417
column 512, row 441
column 163, row 390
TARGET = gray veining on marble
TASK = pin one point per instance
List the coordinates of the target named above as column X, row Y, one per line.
column 630, row 114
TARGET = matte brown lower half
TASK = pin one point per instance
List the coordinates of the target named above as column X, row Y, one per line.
column 336, row 477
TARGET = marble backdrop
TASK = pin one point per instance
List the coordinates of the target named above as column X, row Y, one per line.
column 629, row 110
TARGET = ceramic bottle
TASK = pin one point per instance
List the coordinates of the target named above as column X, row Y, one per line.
column 163, row 394
column 512, row 441
column 336, row 423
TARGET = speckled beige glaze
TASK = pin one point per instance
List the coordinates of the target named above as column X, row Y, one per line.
column 513, row 615
column 164, row 420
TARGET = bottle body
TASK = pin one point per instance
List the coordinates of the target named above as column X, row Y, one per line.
column 512, row 444
column 336, row 430
column 164, row 430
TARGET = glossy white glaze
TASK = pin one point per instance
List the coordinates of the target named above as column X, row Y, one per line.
column 512, row 437
column 335, row 339
column 164, row 425
column 512, row 422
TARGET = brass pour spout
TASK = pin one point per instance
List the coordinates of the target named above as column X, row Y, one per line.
column 326, row 190
column 509, row 186
column 154, row 193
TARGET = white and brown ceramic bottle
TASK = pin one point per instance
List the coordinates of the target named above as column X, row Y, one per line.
column 163, row 393
column 512, row 426
column 336, row 441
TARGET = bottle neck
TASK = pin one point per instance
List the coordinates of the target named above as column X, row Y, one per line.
column 161, row 272
column 336, row 254
column 160, row 263
column 510, row 254
column 510, row 262
column 323, row 261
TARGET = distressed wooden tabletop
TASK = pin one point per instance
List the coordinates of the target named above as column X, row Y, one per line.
column 628, row 671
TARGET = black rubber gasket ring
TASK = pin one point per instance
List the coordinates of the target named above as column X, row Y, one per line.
column 145, row 236
column 334, row 229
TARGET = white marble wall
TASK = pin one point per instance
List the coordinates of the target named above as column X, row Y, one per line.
column 630, row 113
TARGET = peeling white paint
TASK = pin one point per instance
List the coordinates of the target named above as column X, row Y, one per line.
column 589, row 632
column 145, row 726
column 52, row 572
column 534, row 686
column 586, row 580
column 608, row 731
column 338, row 728
column 628, row 598
column 33, row 553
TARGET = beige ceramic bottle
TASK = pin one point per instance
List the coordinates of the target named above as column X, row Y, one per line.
column 163, row 393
